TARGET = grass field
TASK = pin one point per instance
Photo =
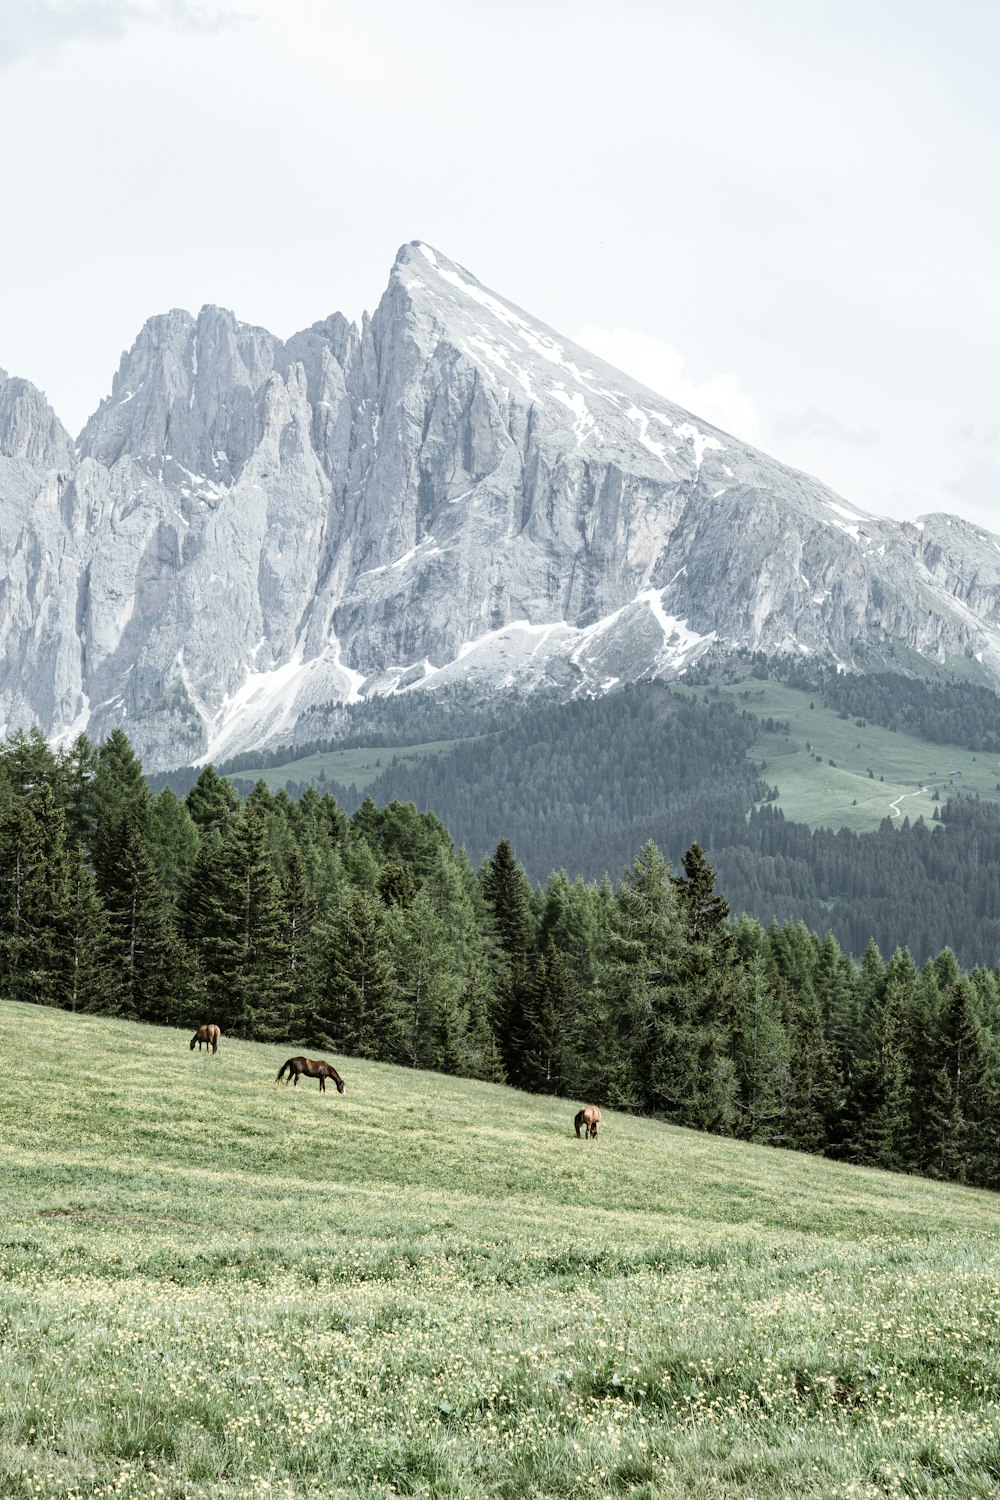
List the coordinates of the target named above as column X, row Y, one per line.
column 843, row 795
column 213, row 1286
column 357, row 766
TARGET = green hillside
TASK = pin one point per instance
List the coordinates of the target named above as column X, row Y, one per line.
column 842, row 794
column 356, row 766
column 213, row 1285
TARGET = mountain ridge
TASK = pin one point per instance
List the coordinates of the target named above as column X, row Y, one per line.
column 251, row 529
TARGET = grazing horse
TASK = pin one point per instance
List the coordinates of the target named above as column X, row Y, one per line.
column 590, row 1118
column 207, row 1034
column 296, row 1067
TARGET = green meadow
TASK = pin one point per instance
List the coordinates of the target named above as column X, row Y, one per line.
column 212, row 1285
column 357, row 766
column 843, row 795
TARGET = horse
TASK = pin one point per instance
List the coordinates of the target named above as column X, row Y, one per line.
column 297, row 1067
column 209, row 1035
column 590, row 1118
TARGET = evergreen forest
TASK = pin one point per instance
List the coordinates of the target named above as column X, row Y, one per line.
column 583, row 785
column 371, row 935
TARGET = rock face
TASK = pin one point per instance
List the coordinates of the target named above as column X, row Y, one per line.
column 249, row 530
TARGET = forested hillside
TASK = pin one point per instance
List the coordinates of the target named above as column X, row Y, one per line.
column 370, row 935
column 582, row 786
column 946, row 713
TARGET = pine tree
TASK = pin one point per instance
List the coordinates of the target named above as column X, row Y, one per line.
column 78, row 767
column 814, row 1099
column 120, row 805
column 924, row 1129
column 702, row 910
column 34, row 965
column 356, row 1003
column 213, row 802
column 482, row 1054
column 173, row 841
column 258, row 970
column 508, row 896
column 300, row 916
column 426, row 981
column 964, row 1062
column 549, row 1011
column 150, row 966
column 882, row 1097
column 93, row 977
column 234, row 920
column 761, row 1055
column 667, row 1055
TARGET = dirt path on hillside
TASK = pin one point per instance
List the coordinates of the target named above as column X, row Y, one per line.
column 894, row 811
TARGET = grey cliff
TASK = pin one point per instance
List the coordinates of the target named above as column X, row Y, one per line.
column 250, row 530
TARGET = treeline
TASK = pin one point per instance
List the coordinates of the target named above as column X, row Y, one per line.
column 372, row 936
column 584, row 784
column 948, row 713
column 922, row 886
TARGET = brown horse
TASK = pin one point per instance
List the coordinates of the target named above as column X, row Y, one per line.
column 207, row 1034
column 590, row 1118
column 297, row 1067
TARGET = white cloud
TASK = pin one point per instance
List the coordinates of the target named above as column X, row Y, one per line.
column 813, row 423
column 35, row 30
column 661, row 367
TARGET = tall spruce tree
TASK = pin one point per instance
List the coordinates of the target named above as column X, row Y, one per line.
column 761, row 1055
column 357, row 1010
column 34, row 868
column 882, row 1104
column 151, row 976
column 93, row 974
column 508, row 896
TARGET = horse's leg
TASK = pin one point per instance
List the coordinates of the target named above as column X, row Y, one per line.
column 322, row 1084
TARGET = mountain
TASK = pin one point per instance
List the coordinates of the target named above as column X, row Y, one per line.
column 250, row 532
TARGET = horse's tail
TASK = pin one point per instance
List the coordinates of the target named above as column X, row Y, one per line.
column 285, row 1066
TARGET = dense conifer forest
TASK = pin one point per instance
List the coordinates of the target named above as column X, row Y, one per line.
column 948, row 713
column 371, row 935
column 581, row 786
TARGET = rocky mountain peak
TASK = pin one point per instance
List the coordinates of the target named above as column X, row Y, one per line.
column 256, row 531
column 29, row 428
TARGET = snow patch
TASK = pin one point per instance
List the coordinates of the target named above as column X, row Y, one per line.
column 355, row 680
column 675, row 632
column 578, row 406
column 522, row 626
column 78, row 726
column 700, row 441
column 641, row 419
column 842, row 510
column 851, row 531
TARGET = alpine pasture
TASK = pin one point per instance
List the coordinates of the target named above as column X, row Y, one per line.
column 213, row 1285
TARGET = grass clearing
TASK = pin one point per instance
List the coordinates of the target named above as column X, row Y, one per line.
column 358, row 766
column 843, row 795
column 215, row 1286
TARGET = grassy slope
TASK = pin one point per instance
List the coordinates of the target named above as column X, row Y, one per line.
column 822, row 795
column 359, row 766
column 428, row 1286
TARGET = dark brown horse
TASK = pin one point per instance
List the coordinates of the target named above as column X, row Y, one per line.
column 207, row 1034
column 297, row 1067
column 590, row 1118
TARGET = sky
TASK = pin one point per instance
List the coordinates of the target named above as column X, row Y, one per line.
column 784, row 216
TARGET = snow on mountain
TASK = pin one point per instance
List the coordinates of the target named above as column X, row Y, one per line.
column 251, row 530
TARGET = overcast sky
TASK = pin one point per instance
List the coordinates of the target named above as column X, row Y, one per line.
column 784, row 215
